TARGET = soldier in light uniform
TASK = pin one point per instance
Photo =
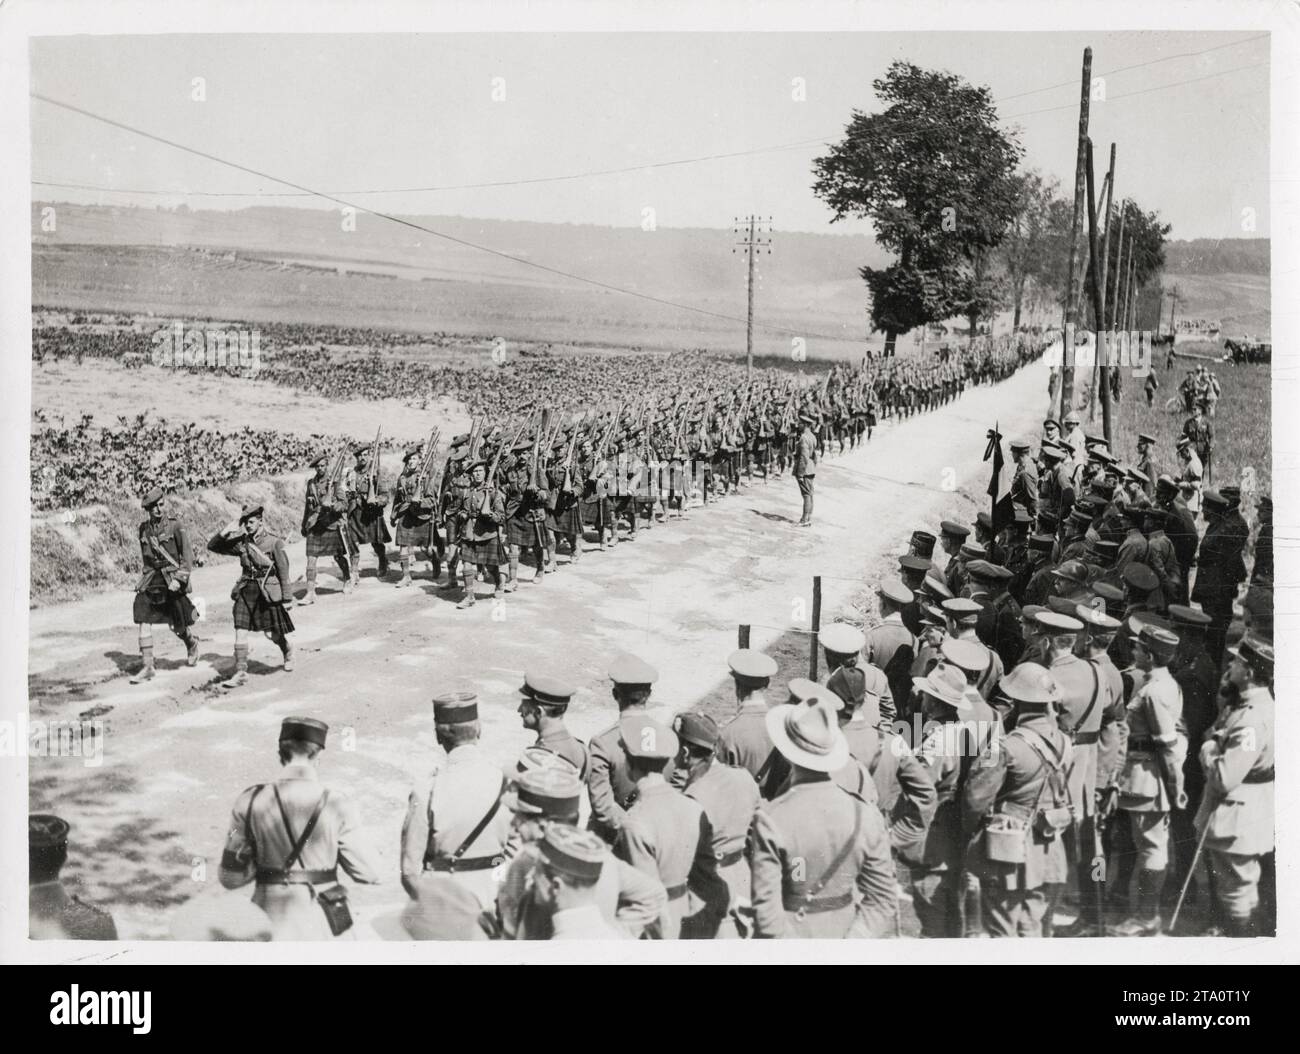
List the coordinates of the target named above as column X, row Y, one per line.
column 324, row 525
column 1144, row 463
column 161, row 597
column 1190, row 475
column 262, row 594
column 729, row 797
column 805, row 467
column 1015, row 793
column 841, row 645
column 1151, row 785
column 454, row 821
column 743, row 741
column 292, row 834
column 541, row 798
column 1236, row 813
column 542, row 705
column 668, row 835
column 820, row 863
column 52, row 912
column 609, row 784
column 412, row 515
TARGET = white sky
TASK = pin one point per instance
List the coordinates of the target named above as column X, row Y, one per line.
column 363, row 112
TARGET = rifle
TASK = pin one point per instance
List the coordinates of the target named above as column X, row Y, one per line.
column 372, row 470
column 427, row 487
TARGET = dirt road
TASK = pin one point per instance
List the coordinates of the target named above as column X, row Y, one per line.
column 149, row 821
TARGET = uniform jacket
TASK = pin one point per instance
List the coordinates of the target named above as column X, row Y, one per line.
column 1157, row 744
column 586, row 923
column 729, row 797
column 805, row 457
column 609, row 786
column 1220, row 568
column 482, row 512
column 55, row 915
column 561, row 741
column 262, row 558
column 170, row 537
column 743, row 741
column 1237, row 758
column 905, row 793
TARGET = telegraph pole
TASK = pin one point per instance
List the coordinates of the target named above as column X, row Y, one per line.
column 752, row 243
column 1173, row 303
column 1074, row 287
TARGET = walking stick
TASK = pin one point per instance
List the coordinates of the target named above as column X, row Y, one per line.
column 1191, row 870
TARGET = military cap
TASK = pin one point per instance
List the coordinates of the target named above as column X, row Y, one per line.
column 945, row 683
column 1051, row 423
column 1043, row 543
column 984, row 520
column 1166, row 483
column 537, row 758
column 45, row 831
column 1055, row 622
column 460, row 439
column 1051, row 450
column 1019, row 444
column 522, row 447
column 841, row 638
column 1232, row 493
column 220, row 917
column 547, row 792
column 1096, row 622
column 954, row 530
column 1100, row 490
column 1215, row 498
column 1061, row 605
column 893, row 589
column 971, row 551
column 455, row 708
column 543, row 688
column 574, row 852
column 1136, row 475
column 1079, row 514
column 628, row 669
column 1112, row 594
column 1141, row 577
column 1143, row 437
column 1072, row 571
column 364, row 448
column 1140, row 620
column 1255, row 652
column 476, row 463
column 442, row 909
column 1030, row 683
column 249, row 511
column 1047, row 518
column 807, row 733
column 924, row 543
column 457, row 452
column 962, row 609
column 1027, row 614
column 913, row 564
column 1155, row 514
column 1072, row 418
column 751, row 664
column 318, row 460
column 800, row 688
column 983, row 571
column 1092, row 441
column 1020, row 516
column 1105, row 551
column 1183, row 443
column 152, row 498
column 697, row 729
column 968, row 655
column 1161, row 643
column 1105, row 457
column 644, row 737
column 936, row 587
column 305, row 728
column 1188, row 616
column 410, row 452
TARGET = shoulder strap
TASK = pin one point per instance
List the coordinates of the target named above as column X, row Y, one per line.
column 841, row 856
column 482, row 824
column 248, row 818
column 1054, row 763
column 299, row 842
column 1092, row 703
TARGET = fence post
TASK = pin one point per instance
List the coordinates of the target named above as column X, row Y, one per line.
column 816, row 627
column 742, row 636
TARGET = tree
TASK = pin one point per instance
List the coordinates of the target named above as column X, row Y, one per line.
column 1144, row 235
column 1028, row 254
column 933, row 172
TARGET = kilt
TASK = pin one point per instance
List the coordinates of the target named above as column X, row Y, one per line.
column 567, row 520
column 490, row 552
column 419, row 535
column 253, row 612
column 159, row 607
column 326, row 543
column 366, row 524
column 524, row 533
column 599, row 511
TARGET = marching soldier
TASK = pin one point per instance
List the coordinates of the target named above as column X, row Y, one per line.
column 1016, row 800
column 743, row 741
column 805, row 467
column 1236, row 814
column 412, row 515
column 456, row 484
column 565, row 491
column 668, row 835
column 480, row 516
column 544, row 700
column 52, row 912
column 526, row 518
column 820, row 863
column 366, row 503
column 291, row 835
column 454, row 822
column 324, row 526
column 609, row 784
column 262, row 594
column 162, row 593
column 729, row 797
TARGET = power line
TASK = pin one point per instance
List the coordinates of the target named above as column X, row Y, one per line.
column 420, row 227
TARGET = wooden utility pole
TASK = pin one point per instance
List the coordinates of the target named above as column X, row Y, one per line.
column 1173, row 303
column 1072, row 291
column 1095, row 263
column 1130, row 308
column 754, row 242
column 1113, row 318
column 1101, row 275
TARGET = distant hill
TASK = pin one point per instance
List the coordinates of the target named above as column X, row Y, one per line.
column 1218, row 256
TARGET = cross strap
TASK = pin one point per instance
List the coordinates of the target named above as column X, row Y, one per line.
column 299, row 842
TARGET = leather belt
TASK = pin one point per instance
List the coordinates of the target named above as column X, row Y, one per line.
column 1084, row 739
column 1141, row 743
column 817, row 905
column 272, row 876
column 674, row 892
column 477, row 863
column 1259, row 777
column 727, row 859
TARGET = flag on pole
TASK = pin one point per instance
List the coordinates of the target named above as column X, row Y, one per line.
column 1003, row 510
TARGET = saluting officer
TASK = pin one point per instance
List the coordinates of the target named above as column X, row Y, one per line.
column 820, row 863
column 53, row 914
column 162, row 593
column 291, row 835
column 609, row 785
column 544, row 700
column 454, row 821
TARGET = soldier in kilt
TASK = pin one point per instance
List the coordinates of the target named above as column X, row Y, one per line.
column 366, row 524
column 412, row 516
column 161, row 595
column 675, row 484
column 700, row 447
column 481, row 516
column 597, row 506
column 262, row 592
column 323, row 526
column 526, row 517
column 455, row 485
column 565, row 508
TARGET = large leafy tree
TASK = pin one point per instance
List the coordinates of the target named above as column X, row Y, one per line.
column 934, row 174
column 1030, row 254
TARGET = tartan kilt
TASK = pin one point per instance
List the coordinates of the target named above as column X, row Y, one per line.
column 490, row 552
column 524, row 532
column 565, row 521
column 419, row 535
column 599, row 511
column 255, row 613
column 326, row 543
column 163, row 607
column 366, row 525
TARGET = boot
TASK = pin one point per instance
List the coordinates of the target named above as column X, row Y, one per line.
column 513, row 584
column 468, row 600
column 499, row 591
column 240, row 676
column 286, row 649
column 542, row 567
column 406, row 572
column 453, row 575
column 575, row 550
column 1146, row 921
column 146, row 671
column 383, row 563
column 191, row 650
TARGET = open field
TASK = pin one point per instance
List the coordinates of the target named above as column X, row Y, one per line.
column 1239, row 302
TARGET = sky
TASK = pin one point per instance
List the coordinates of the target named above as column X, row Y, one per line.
column 356, row 112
